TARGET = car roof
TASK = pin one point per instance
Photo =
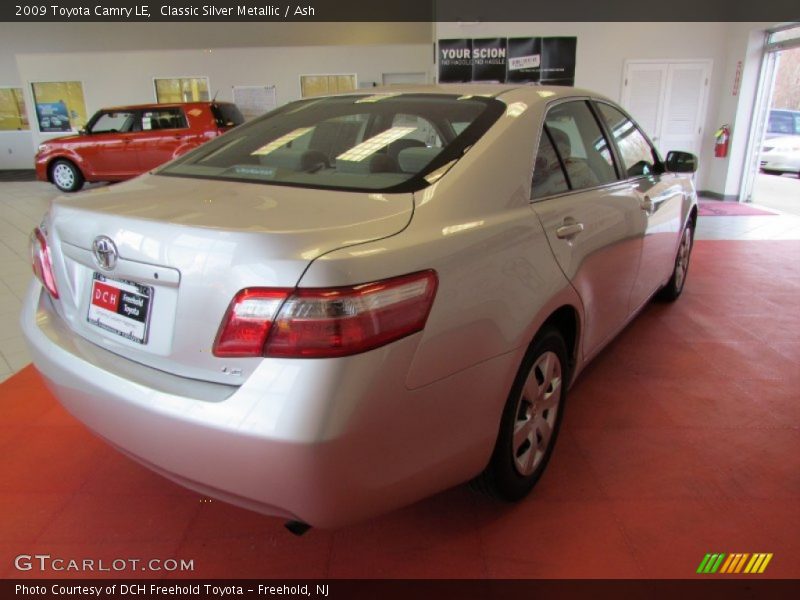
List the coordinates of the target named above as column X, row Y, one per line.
column 162, row 105
column 513, row 92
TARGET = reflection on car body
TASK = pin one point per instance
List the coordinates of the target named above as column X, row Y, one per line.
column 356, row 301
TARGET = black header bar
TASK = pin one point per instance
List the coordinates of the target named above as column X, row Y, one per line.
column 775, row 11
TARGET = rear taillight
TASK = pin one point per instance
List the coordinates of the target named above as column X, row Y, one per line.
column 40, row 260
column 248, row 321
column 328, row 322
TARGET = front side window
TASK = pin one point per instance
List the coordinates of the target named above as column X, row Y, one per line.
column 580, row 144
column 638, row 156
column 114, row 122
column 380, row 142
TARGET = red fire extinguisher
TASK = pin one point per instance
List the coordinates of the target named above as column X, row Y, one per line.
column 723, row 137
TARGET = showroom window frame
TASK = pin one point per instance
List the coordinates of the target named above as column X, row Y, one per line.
column 353, row 75
column 180, row 78
column 23, row 114
column 761, row 105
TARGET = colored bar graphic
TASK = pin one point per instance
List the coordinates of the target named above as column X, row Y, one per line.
column 767, row 558
column 738, row 562
column 717, row 563
column 755, row 562
column 703, row 563
column 742, row 560
column 727, row 564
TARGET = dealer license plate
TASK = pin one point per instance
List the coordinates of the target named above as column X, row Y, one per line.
column 121, row 307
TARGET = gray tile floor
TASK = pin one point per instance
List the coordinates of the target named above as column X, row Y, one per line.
column 23, row 204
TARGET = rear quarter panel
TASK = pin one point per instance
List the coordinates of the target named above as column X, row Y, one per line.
column 498, row 280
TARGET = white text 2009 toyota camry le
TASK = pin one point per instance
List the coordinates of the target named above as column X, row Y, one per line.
column 356, row 301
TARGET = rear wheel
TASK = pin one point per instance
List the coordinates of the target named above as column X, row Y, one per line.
column 674, row 287
column 530, row 422
column 66, row 176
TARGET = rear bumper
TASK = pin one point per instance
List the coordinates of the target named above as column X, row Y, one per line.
column 326, row 442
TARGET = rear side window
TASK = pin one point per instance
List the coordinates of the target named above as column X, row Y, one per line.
column 783, row 123
column 163, row 118
column 227, row 115
column 580, row 144
column 638, row 156
column 355, row 142
column 548, row 175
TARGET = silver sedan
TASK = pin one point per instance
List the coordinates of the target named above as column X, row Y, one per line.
column 781, row 155
column 356, row 301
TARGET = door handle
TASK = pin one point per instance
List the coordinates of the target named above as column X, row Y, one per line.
column 569, row 230
column 647, row 205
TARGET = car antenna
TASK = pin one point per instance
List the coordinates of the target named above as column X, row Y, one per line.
column 214, row 99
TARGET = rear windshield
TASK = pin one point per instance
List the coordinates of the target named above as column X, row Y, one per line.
column 227, row 115
column 387, row 142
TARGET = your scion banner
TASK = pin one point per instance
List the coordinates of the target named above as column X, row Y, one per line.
column 548, row 60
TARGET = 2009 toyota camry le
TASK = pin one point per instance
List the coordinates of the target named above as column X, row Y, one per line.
column 356, row 301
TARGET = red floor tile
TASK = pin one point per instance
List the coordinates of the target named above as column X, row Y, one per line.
column 25, row 515
column 680, row 438
column 286, row 557
column 652, row 464
column 702, row 400
column 97, row 518
column 748, row 360
column 669, row 538
column 436, row 538
column 544, row 539
column 616, row 403
column 50, row 459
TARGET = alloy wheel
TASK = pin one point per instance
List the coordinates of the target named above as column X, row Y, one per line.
column 63, row 176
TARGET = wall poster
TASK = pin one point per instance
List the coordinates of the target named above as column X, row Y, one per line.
column 254, row 100
column 545, row 60
column 60, row 106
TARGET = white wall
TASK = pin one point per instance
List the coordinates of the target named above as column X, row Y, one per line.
column 745, row 44
column 115, row 78
column 604, row 47
column 105, row 57
column 117, row 61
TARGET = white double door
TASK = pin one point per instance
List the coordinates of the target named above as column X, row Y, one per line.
column 668, row 99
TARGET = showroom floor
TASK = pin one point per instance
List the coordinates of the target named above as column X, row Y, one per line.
column 680, row 439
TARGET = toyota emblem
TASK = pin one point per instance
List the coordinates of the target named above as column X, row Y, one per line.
column 105, row 252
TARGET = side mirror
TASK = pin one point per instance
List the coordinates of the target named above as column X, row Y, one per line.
column 681, row 162
column 83, row 131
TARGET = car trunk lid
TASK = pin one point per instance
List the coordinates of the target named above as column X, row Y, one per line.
column 184, row 247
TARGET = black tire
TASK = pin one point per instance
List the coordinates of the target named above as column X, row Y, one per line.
column 513, row 471
column 672, row 290
column 66, row 176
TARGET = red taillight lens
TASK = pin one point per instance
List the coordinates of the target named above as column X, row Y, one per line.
column 320, row 323
column 40, row 260
column 248, row 321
